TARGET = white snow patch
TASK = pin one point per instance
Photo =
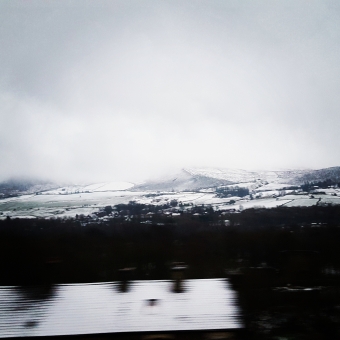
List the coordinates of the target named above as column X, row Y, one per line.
column 302, row 202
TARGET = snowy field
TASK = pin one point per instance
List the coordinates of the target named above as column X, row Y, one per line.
column 302, row 202
column 260, row 203
column 273, row 186
column 185, row 198
column 48, row 205
column 86, row 200
column 96, row 187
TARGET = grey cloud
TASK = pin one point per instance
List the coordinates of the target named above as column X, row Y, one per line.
column 117, row 89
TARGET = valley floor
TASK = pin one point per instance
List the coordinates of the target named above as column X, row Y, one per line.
column 63, row 204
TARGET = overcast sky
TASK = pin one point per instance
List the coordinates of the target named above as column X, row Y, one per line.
column 125, row 90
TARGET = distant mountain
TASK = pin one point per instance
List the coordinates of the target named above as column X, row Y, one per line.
column 202, row 178
column 236, row 176
column 183, row 181
column 332, row 173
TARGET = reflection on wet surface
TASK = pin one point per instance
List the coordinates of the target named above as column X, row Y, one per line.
column 22, row 309
column 103, row 308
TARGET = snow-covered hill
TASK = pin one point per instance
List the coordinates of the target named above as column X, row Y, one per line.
column 202, row 178
column 332, row 173
column 185, row 180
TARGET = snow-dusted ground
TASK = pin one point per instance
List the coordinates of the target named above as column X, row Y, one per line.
column 302, row 202
column 330, row 200
column 273, row 186
column 187, row 197
column 251, row 185
column 260, row 203
column 60, row 205
column 96, row 187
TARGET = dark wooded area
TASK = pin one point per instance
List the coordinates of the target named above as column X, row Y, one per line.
column 37, row 251
column 285, row 262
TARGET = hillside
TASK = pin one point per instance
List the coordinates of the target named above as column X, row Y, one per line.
column 186, row 180
column 222, row 189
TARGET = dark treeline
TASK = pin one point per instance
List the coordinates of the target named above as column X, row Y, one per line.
column 232, row 191
column 39, row 251
column 308, row 186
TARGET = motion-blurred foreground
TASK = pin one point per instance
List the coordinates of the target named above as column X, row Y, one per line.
column 123, row 310
column 283, row 263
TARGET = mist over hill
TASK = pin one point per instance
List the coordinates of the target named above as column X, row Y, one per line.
column 185, row 180
column 188, row 179
column 17, row 186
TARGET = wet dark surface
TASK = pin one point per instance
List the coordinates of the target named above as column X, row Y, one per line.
column 102, row 308
column 290, row 312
